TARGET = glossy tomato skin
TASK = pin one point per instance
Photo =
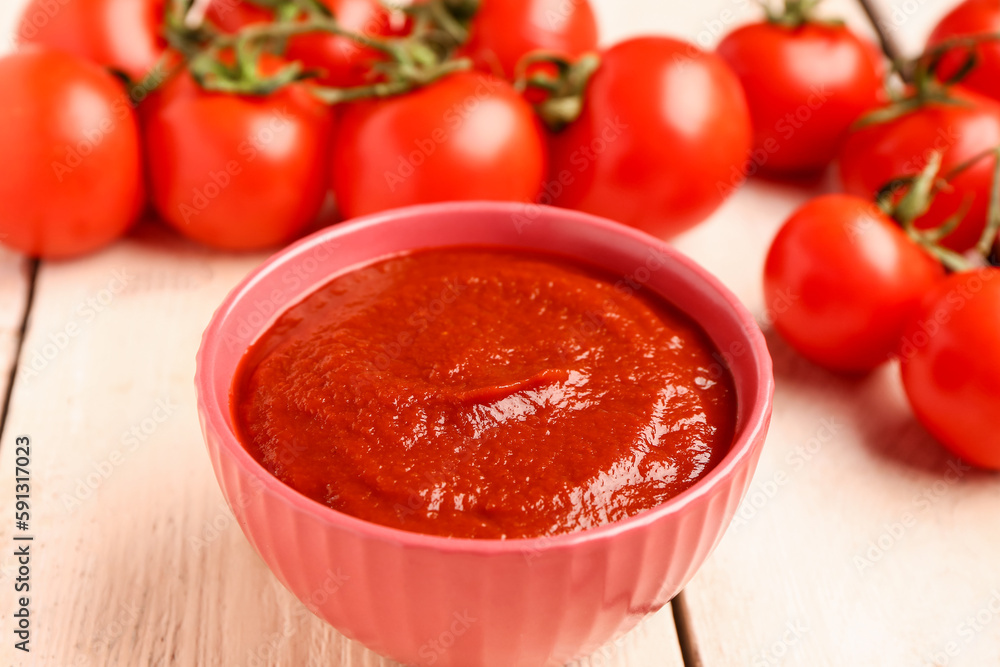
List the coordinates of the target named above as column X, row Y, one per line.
column 122, row 34
column 231, row 15
column 71, row 168
column 972, row 17
column 662, row 141
column 874, row 155
column 469, row 136
column 842, row 281
column 805, row 86
column 237, row 172
column 343, row 62
column 503, row 31
column 950, row 365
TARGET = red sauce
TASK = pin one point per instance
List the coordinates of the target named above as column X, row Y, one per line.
column 486, row 393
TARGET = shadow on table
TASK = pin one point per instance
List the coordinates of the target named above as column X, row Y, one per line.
column 874, row 405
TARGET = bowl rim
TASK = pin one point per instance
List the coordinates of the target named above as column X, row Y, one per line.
column 747, row 439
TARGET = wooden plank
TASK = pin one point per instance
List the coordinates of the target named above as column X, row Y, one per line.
column 862, row 542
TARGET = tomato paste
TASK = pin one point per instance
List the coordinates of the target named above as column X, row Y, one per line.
column 485, row 392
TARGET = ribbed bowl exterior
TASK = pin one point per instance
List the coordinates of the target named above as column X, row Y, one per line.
column 425, row 600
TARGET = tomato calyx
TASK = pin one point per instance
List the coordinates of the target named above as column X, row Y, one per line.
column 184, row 31
column 796, row 13
column 443, row 24
column 920, row 192
column 563, row 91
column 244, row 75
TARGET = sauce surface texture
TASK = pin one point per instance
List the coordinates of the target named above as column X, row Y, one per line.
column 484, row 393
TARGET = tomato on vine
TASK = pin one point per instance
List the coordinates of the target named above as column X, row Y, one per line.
column 847, row 280
column 806, row 81
column 71, row 174
column 962, row 127
column 971, row 18
column 504, row 31
column 232, row 15
column 661, row 141
column 237, row 171
column 341, row 61
column 121, row 34
column 950, row 365
column 466, row 136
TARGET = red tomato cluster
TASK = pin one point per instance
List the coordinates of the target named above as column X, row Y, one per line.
column 851, row 286
column 849, row 290
column 243, row 170
column 805, row 85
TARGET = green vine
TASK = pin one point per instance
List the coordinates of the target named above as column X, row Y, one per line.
column 231, row 63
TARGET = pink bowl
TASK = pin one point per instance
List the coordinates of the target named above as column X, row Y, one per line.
column 427, row 600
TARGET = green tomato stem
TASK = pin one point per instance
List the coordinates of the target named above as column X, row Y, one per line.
column 264, row 31
column 418, row 78
column 989, row 237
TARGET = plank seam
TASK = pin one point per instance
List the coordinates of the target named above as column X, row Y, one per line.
column 29, row 302
column 685, row 634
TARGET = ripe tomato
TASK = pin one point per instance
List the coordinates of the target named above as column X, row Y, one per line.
column 231, row 15
column 237, row 172
column 468, row 136
column 123, row 34
column 874, row 155
column 804, row 86
column 951, row 365
column 71, row 173
column 842, row 281
column 972, row 17
column 662, row 139
column 505, row 30
column 343, row 62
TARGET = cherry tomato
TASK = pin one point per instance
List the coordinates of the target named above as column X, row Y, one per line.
column 503, row 31
column 122, row 34
column 231, row 15
column 343, row 62
column 950, row 364
column 468, row 136
column 972, row 17
column 71, row 173
column 875, row 154
column 237, row 172
column 842, row 281
column 804, row 86
column 662, row 140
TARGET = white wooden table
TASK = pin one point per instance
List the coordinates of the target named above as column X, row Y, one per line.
column 858, row 544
